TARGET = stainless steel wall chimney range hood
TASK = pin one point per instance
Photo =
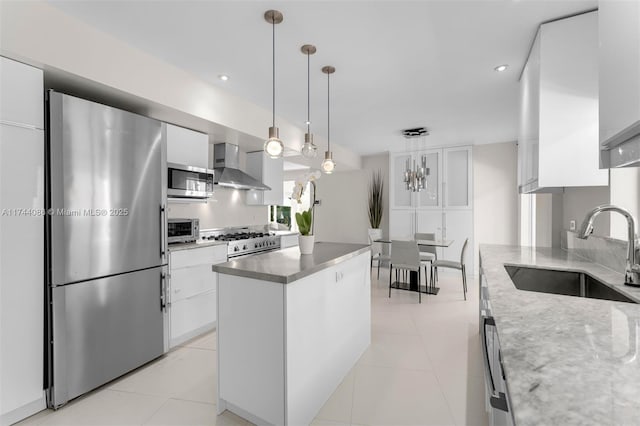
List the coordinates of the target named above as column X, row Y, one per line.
column 227, row 172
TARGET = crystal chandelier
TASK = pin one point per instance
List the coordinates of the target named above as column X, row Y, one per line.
column 415, row 178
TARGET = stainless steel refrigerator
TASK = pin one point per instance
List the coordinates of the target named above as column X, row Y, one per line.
column 106, row 251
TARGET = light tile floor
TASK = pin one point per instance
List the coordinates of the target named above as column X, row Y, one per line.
column 424, row 367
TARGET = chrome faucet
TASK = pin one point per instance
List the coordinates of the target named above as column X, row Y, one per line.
column 632, row 270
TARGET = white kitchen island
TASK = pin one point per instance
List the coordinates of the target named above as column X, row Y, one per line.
column 290, row 327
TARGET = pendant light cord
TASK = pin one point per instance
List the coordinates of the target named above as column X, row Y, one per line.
column 273, row 97
column 308, row 93
column 328, row 116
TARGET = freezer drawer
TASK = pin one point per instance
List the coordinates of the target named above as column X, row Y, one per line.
column 104, row 328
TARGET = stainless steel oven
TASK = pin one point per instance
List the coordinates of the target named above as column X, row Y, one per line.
column 188, row 181
column 182, row 230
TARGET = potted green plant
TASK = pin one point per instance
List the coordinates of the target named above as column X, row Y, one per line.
column 306, row 240
column 305, row 219
column 375, row 205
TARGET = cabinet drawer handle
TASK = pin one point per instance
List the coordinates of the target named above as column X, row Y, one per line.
column 497, row 399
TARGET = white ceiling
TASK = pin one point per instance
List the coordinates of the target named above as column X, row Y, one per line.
column 399, row 64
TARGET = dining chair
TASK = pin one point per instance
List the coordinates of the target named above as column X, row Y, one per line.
column 376, row 252
column 453, row 265
column 427, row 253
column 405, row 257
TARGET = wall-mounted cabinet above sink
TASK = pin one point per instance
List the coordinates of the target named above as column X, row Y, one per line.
column 619, row 57
column 558, row 137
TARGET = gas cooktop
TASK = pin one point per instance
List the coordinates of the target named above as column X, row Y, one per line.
column 242, row 241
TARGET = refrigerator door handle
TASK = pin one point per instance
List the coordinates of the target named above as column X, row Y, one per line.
column 162, row 232
column 163, row 292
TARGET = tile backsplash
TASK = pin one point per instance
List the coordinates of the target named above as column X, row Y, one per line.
column 606, row 251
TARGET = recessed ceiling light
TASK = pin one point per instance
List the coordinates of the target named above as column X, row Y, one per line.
column 501, row 68
column 223, row 77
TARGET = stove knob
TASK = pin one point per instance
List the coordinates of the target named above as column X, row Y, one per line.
column 244, row 247
column 236, row 248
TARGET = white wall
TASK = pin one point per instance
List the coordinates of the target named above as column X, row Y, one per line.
column 625, row 192
column 578, row 201
column 342, row 214
column 228, row 208
column 495, row 194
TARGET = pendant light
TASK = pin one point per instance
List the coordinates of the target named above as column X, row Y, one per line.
column 273, row 146
column 309, row 149
column 328, row 165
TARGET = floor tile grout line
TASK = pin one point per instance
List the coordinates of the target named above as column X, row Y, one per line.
column 155, row 412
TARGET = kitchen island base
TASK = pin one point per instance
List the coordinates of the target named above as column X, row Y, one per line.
column 283, row 348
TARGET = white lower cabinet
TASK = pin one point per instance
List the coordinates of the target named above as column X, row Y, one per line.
column 192, row 291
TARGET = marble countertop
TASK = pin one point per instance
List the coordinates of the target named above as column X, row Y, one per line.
column 199, row 244
column 288, row 265
column 568, row 360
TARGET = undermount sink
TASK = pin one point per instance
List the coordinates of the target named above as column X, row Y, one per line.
column 563, row 282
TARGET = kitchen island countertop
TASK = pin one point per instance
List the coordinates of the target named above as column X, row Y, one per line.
column 568, row 360
column 288, row 265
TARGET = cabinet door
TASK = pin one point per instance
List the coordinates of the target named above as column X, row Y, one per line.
column 188, row 282
column 402, row 224
column 22, row 100
column 569, row 104
column 431, row 197
column 430, row 221
column 190, row 317
column 458, row 226
column 400, row 196
column 187, row 147
column 529, row 127
column 457, row 182
column 619, row 70
column 21, row 266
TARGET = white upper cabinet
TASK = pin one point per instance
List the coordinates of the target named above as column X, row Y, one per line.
column 448, row 181
column 187, row 147
column 457, row 188
column 619, row 60
column 269, row 171
column 431, row 196
column 558, row 137
column 22, row 100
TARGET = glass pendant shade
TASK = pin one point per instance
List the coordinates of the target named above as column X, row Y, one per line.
column 415, row 178
column 274, row 146
column 309, row 149
column 328, row 165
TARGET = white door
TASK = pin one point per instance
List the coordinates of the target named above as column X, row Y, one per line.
column 399, row 195
column 430, row 221
column 457, row 187
column 402, row 224
column 458, row 226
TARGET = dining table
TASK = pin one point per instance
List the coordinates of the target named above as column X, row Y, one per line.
column 414, row 284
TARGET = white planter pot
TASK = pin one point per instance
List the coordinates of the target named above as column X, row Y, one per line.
column 306, row 243
column 375, row 233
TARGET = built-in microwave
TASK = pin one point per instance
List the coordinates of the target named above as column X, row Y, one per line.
column 188, row 181
column 182, row 230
